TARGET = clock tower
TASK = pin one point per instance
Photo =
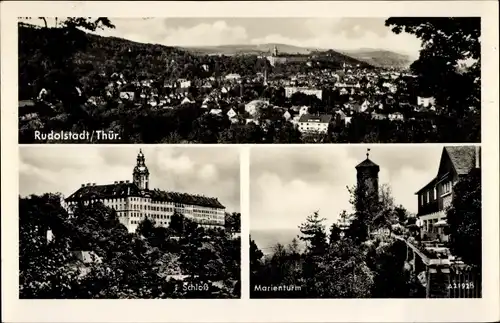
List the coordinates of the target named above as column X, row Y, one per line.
column 141, row 173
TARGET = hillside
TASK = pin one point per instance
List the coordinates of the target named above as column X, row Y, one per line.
column 374, row 57
column 331, row 57
column 380, row 58
column 47, row 54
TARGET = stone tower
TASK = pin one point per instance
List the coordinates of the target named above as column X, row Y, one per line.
column 275, row 50
column 367, row 178
column 141, row 173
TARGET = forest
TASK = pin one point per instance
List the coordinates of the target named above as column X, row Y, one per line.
column 153, row 262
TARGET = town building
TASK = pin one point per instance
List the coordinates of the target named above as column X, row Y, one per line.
column 135, row 201
column 436, row 196
column 291, row 90
column 426, row 101
column 313, row 123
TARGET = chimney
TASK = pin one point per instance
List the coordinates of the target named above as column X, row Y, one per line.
column 116, row 182
column 83, row 185
column 93, row 184
column 478, row 156
column 127, row 181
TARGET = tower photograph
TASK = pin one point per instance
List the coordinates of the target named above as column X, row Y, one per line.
column 366, row 222
column 122, row 222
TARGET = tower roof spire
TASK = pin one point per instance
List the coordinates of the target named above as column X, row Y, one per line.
column 367, row 162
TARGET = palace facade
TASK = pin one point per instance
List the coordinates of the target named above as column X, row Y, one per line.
column 276, row 58
column 135, row 201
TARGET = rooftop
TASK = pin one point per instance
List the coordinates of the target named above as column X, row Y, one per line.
column 367, row 163
column 462, row 157
column 124, row 189
column 321, row 118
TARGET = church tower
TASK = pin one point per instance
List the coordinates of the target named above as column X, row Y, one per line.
column 141, row 173
column 275, row 50
column 367, row 178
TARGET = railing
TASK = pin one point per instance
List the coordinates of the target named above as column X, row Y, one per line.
column 447, row 279
column 424, row 258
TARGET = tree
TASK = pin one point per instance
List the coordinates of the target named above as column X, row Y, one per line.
column 293, row 247
column 464, row 219
column 42, row 265
column 401, row 214
column 255, row 254
column 233, row 222
column 372, row 212
column 313, row 233
column 177, row 223
column 146, row 228
column 342, row 273
column 446, row 44
column 335, row 232
column 387, row 263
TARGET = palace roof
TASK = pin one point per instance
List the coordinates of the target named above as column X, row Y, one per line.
column 126, row 189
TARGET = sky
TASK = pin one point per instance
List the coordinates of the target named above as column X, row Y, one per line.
column 328, row 33
column 288, row 183
column 209, row 171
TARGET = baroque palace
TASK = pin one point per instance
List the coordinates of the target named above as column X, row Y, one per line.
column 134, row 201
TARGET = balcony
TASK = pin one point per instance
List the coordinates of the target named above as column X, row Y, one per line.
column 433, row 215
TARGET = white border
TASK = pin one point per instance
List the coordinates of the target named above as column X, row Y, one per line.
column 449, row 310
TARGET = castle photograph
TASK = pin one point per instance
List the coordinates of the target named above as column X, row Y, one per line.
column 366, row 222
column 129, row 222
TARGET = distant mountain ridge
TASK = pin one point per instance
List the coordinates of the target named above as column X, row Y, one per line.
column 380, row 57
column 372, row 56
column 250, row 49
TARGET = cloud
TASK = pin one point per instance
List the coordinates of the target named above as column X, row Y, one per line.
column 217, row 33
column 192, row 170
column 288, row 184
column 165, row 32
column 328, row 33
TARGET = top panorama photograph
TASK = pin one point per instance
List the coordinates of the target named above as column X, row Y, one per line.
column 249, row 80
